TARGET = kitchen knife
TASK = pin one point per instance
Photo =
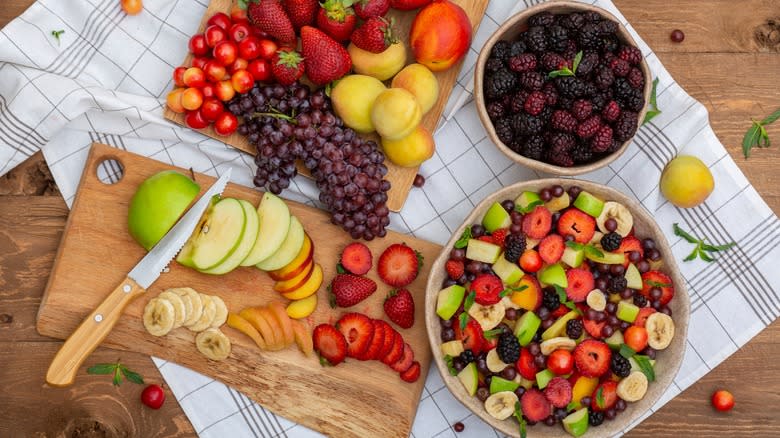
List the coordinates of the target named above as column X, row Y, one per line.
column 99, row 323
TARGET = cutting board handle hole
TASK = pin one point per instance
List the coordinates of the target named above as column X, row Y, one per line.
column 110, row 171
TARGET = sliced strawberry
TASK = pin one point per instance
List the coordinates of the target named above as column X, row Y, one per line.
column 358, row 330
column 455, row 269
column 356, row 258
column 525, row 365
column 487, row 289
column 499, row 236
column 641, row 318
column 405, row 361
column 592, row 358
column 551, row 248
column 651, row 279
column 388, row 338
column 412, row 373
column 535, row 405
column 575, row 222
column 377, row 342
column 560, row 311
column 485, row 238
column 594, row 328
column 580, row 284
column 604, row 397
column 329, row 343
column 558, row 392
column 396, row 352
column 628, row 244
column 472, row 336
column 537, row 223
column 398, row 265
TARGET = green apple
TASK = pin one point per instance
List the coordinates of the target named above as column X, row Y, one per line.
column 627, row 311
column 218, row 234
column 469, row 377
column 482, row 251
column 559, row 203
column 495, row 218
column 558, row 328
column 274, row 219
column 633, row 277
column 615, row 340
column 509, row 272
column 573, row 257
column 449, row 300
column 635, row 365
column 543, row 377
column 526, row 199
column 452, row 348
column 499, row 384
column 576, row 423
column 608, row 258
column 554, row 274
column 157, row 204
column 243, row 248
column 290, row 248
column 589, row 204
column 526, row 327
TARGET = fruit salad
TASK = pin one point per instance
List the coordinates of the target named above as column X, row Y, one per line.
column 553, row 309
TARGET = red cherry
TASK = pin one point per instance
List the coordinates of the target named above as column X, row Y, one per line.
column 215, row 34
column 559, row 361
column 238, row 64
column 267, row 49
column 211, row 108
column 178, row 76
column 200, row 61
column 198, row 45
column 242, row 81
column 214, row 71
column 225, row 52
column 249, row 48
column 208, row 90
column 226, row 124
column 220, row 19
column 238, row 13
column 153, row 396
column 722, row 400
column 195, row 120
column 260, row 69
column 239, row 31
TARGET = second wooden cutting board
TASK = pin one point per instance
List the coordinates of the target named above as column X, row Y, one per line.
column 353, row 399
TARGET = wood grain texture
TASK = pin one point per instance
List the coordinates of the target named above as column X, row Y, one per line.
column 401, row 178
column 96, row 241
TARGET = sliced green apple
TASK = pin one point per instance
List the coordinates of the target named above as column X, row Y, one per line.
column 509, row 272
column 559, row 203
column 615, row 340
column 589, row 203
column 543, row 377
column 274, row 220
column 499, row 384
column 576, row 423
column 469, row 377
column 573, row 257
column 526, row 327
column 554, row 274
column 218, row 234
column 290, row 248
column 608, row 258
column 627, row 311
column 449, row 300
column 635, row 365
column 247, row 242
column 559, row 326
column 525, row 200
column 482, row 251
column 496, row 217
column 633, row 277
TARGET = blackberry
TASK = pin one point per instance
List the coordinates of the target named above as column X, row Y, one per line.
column 595, row 418
column 630, row 54
column 590, row 90
column 570, row 86
column 493, row 65
column 518, row 47
column 500, row 83
column 634, row 100
column 514, row 245
column 516, row 146
column 620, row 67
column 550, row 94
column 611, row 241
column 616, row 284
column 611, row 111
column 560, row 157
column 609, row 43
column 563, row 121
column 500, row 51
column 550, row 300
column 602, row 140
column 557, row 38
column 622, row 89
column 590, row 60
column 581, row 153
column 518, row 101
column 573, row 21
column 508, row 348
column 607, row 27
column 603, row 78
column 496, row 110
column 635, row 78
column 593, row 16
column 574, row 328
column 526, row 124
column 536, row 39
column 600, row 100
column 541, row 19
column 571, row 49
column 589, row 127
column 533, row 148
column 640, row 300
column 552, row 61
column 615, row 146
column 504, row 130
column 532, row 80
column 589, row 37
column 620, row 365
column 467, row 357
column 581, row 109
column 562, row 141
column 626, row 125
column 535, row 102
column 523, row 62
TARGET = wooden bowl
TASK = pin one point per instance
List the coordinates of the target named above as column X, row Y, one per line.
column 668, row 361
column 509, row 31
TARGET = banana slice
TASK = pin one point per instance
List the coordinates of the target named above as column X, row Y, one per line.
column 488, row 317
column 213, row 344
column 207, row 316
column 617, row 211
column 221, row 312
column 596, row 237
column 158, row 317
column 633, row 387
column 596, row 300
column 494, row 362
column 660, row 330
column 559, row 343
column 509, row 304
column 501, row 405
column 195, row 306
column 179, row 309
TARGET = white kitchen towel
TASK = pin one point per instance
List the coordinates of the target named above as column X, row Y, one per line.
column 105, row 80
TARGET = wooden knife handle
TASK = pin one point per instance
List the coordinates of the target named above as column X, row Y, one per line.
column 90, row 333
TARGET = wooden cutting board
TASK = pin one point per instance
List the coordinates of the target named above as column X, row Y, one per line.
column 352, row 399
column 401, row 178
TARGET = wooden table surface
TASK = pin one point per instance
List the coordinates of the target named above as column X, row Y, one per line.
column 729, row 61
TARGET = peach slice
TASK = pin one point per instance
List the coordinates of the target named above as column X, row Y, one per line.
column 245, row 327
column 276, row 328
column 290, row 285
column 298, row 264
column 284, row 321
column 302, row 308
column 308, row 288
column 303, row 338
column 259, row 320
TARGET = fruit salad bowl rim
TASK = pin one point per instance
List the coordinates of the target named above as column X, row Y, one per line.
column 668, row 361
column 509, row 30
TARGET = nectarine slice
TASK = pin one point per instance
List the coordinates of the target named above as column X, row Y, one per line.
column 298, row 264
column 290, row 285
column 308, row 288
column 302, row 308
column 284, row 321
column 258, row 319
column 245, row 327
column 276, row 328
column 303, row 338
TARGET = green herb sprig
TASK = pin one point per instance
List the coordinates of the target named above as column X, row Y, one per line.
column 56, row 34
column 464, row 238
column 653, row 106
column 450, row 366
column 528, row 208
column 565, row 70
column 645, row 366
column 118, row 370
column 702, row 250
column 757, row 136
column 519, row 417
column 565, row 300
column 589, row 249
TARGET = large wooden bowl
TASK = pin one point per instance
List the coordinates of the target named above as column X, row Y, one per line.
column 668, row 361
column 509, row 31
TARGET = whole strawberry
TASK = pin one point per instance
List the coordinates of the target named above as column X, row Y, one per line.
column 366, row 9
column 326, row 59
column 408, row 5
column 399, row 307
column 301, row 12
column 270, row 18
column 337, row 19
column 346, row 290
column 375, row 35
column 287, row 66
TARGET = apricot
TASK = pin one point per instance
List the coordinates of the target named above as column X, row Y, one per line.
column 395, row 114
column 686, row 181
column 379, row 65
column 353, row 97
column 412, row 150
column 420, row 81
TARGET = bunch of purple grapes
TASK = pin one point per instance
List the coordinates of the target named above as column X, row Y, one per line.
column 292, row 123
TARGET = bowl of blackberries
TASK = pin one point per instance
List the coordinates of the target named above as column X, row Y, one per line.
column 562, row 88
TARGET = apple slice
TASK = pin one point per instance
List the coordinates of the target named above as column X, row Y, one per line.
column 309, row 288
column 300, row 309
column 290, row 285
column 290, row 248
column 247, row 242
column 218, row 234
column 274, row 219
column 302, row 261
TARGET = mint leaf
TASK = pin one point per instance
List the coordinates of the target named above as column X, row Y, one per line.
column 716, row 248
column 528, row 208
column 653, row 107
column 102, row 368
column 645, row 366
column 626, row 351
column 340, row 268
column 769, row 119
column 682, row 233
column 600, row 397
column 577, row 59
column 571, row 406
column 469, row 301
column 490, row 334
column 592, row 250
column 463, row 319
column 574, row 245
column 56, row 34
column 464, row 238
column 519, row 417
column 564, row 299
column 652, row 283
column 702, row 249
column 131, row 376
column 756, row 135
column 450, row 367
column 512, row 289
